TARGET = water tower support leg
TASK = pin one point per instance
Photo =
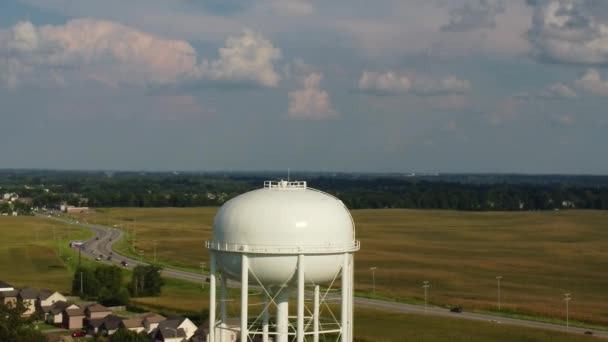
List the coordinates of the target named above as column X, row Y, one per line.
column 282, row 315
column 265, row 318
column 300, row 298
column 223, row 300
column 351, row 288
column 244, row 297
column 345, row 291
column 316, row 315
column 212, row 298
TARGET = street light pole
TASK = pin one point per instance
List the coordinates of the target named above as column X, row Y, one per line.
column 373, row 269
column 498, row 280
column 425, row 285
column 567, row 299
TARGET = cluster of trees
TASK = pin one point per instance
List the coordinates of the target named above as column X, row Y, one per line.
column 15, row 327
column 19, row 207
column 105, row 283
column 457, row 192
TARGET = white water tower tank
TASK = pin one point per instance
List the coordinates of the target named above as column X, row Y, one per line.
column 284, row 220
column 284, row 237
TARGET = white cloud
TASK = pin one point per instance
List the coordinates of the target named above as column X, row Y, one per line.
column 387, row 82
column 247, row 58
column 592, row 83
column 570, row 31
column 391, row 82
column 114, row 54
column 555, row 91
column 310, row 101
column 475, row 15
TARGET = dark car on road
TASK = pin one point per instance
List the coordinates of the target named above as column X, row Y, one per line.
column 124, row 263
column 456, row 309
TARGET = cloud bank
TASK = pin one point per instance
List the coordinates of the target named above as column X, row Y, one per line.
column 570, row 31
column 480, row 14
column 110, row 53
column 393, row 83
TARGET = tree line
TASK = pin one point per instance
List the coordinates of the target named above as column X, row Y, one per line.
column 455, row 192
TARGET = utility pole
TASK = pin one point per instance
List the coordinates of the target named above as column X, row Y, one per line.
column 567, row 299
column 373, row 269
column 498, row 278
column 202, row 275
column 81, row 284
column 79, row 255
column 155, row 251
column 425, row 285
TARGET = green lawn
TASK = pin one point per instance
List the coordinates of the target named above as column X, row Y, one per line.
column 29, row 256
column 541, row 255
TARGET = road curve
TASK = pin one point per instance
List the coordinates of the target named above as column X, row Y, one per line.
column 101, row 245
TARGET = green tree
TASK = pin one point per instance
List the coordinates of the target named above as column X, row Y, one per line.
column 14, row 327
column 90, row 284
column 125, row 335
column 146, row 281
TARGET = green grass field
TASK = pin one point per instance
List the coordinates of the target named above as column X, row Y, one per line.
column 541, row 255
column 43, row 264
column 29, row 255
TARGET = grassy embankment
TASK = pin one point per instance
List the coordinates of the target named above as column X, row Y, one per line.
column 541, row 255
column 31, row 258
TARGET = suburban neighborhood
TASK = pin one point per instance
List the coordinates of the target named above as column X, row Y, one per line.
column 74, row 319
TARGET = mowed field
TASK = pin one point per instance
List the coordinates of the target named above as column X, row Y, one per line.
column 30, row 258
column 540, row 255
column 29, row 255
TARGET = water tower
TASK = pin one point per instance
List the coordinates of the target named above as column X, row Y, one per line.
column 284, row 241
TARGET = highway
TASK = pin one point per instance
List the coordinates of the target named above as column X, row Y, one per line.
column 101, row 244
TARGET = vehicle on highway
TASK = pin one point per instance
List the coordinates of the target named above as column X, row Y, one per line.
column 588, row 332
column 98, row 259
column 101, row 256
column 109, row 257
column 124, row 263
column 456, row 309
column 97, row 238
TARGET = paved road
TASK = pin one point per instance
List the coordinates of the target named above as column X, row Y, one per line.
column 101, row 244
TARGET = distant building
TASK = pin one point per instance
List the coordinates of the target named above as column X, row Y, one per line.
column 55, row 314
column 94, row 311
column 70, row 209
column 175, row 330
column 151, row 321
column 46, row 298
column 133, row 324
column 6, row 287
column 73, row 317
column 28, row 296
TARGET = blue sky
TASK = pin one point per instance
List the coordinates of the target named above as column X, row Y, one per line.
column 397, row 86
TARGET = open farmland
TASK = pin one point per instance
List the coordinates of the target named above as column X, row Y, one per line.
column 540, row 255
column 29, row 255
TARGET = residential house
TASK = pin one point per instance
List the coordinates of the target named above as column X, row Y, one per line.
column 176, row 329
column 202, row 333
column 9, row 297
column 93, row 326
column 55, row 313
column 133, row 324
column 95, row 310
column 110, row 324
column 4, row 287
column 28, row 296
column 168, row 334
column 73, row 317
column 151, row 321
column 46, row 298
